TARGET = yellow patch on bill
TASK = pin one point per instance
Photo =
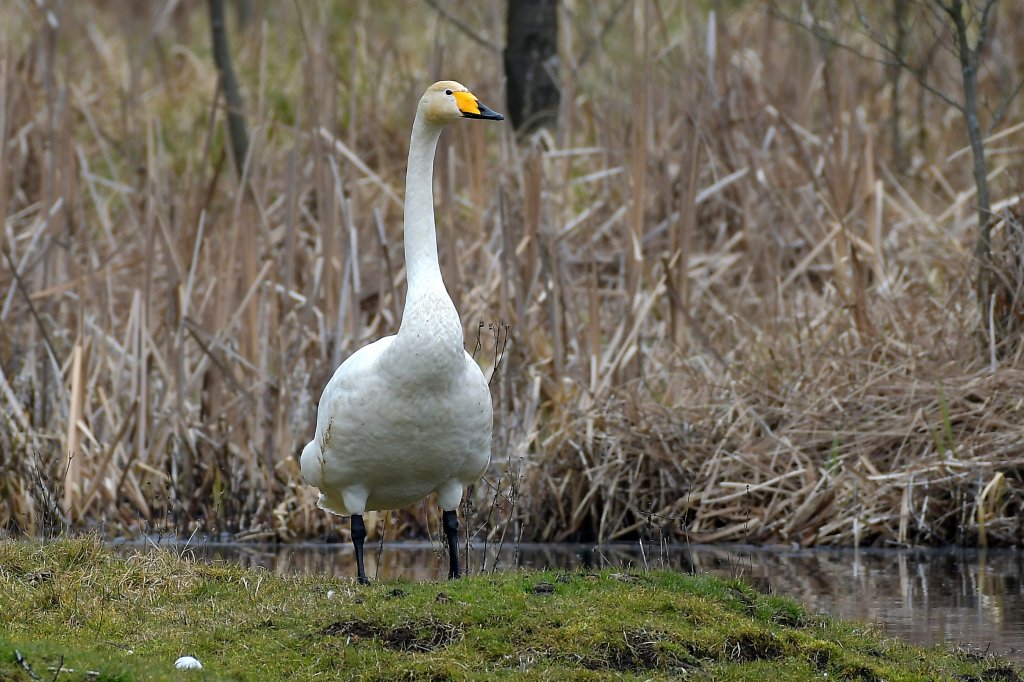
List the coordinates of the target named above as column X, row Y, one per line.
column 467, row 103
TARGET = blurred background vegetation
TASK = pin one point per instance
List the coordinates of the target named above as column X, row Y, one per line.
column 725, row 277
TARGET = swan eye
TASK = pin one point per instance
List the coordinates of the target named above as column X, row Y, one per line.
column 447, row 92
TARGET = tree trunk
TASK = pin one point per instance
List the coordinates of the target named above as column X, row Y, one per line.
column 228, row 84
column 531, row 62
column 969, row 68
column 895, row 70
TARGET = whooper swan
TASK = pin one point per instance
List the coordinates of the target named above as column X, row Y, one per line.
column 410, row 414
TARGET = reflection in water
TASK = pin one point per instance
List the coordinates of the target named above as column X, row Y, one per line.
column 968, row 597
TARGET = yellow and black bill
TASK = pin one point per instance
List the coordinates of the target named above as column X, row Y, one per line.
column 471, row 107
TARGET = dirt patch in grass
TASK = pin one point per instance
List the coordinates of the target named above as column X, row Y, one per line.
column 753, row 647
column 1001, row 674
column 424, row 635
column 831, row 663
column 643, row 649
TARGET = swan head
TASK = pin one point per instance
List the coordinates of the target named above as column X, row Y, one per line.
column 447, row 101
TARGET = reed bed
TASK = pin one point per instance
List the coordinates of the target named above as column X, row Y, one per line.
column 712, row 305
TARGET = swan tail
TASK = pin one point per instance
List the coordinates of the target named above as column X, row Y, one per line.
column 312, row 464
column 351, row 501
column 449, row 495
column 330, row 506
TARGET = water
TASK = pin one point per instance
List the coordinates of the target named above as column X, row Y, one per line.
column 970, row 598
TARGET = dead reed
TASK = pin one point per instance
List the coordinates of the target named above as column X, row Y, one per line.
column 730, row 316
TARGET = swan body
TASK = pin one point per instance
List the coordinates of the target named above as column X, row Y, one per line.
column 410, row 414
column 399, row 420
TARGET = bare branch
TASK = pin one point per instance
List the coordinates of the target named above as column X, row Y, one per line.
column 1000, row 112
column 32, row 309
column 983, row 29
column 588, row 50
column 457, row 23
column 893, row 60
column 23, row 662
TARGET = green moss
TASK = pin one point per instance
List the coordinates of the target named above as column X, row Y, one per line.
column 77, row 603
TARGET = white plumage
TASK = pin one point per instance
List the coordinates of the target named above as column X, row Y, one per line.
column 410, row 414
column 404, row 417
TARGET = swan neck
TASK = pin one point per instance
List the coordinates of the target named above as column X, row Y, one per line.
column 429, row 341
column 420, row 236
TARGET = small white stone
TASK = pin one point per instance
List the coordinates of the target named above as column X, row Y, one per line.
column 188, row 663
column 330, row 594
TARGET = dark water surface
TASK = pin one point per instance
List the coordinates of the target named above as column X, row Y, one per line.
column 972, row 598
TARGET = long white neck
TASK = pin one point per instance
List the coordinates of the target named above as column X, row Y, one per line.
column 429, row 341
column 422, row 268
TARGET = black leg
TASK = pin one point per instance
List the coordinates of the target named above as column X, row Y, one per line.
column 450, row 521
column 358, row 536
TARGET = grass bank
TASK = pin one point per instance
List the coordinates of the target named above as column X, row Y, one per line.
column 76, row 604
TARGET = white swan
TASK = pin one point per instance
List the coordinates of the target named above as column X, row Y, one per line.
column 410, row 414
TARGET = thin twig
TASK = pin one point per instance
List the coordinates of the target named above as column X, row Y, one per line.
column 459, row 24
column 590, row 48
column 31, row 308
column 895, row 61
column 23, row 662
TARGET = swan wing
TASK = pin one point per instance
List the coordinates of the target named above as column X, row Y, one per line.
column 357, row 373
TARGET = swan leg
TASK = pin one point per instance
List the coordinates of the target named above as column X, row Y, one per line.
column 358, row 536
column 450, row 521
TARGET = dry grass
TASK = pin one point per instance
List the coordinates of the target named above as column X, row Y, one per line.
column 730, row 318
